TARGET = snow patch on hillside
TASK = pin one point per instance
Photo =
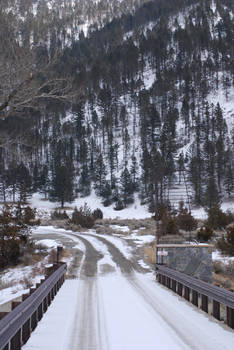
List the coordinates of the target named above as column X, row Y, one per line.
column 134, row 211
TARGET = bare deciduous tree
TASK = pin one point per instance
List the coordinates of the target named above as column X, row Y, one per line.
column 27, row 77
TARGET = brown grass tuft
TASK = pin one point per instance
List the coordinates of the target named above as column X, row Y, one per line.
column 150, row 253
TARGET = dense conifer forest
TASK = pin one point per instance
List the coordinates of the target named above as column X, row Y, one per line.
column 135, row 102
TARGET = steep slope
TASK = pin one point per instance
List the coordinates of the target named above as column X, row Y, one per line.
column 155, row 114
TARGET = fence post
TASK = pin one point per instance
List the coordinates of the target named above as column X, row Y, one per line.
column 15, row 343
column 187, row 293
column 26, row 331
column 195, row 298
column 204, row 303
column 216, row 309
column 173, row 285
column 230, row 317
column 180, row 289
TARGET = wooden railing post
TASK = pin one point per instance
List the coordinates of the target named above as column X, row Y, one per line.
column 195, row 298
column 26, row 331
column 230, row 317
column 216, row 309
column 180, row 289
column 173, row 285
column 187, row 293
column 204, row 303
column 16, row 341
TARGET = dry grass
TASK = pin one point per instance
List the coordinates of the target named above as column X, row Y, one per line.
column 144, row 226
column 4, row 285
column 223, row 275
column 150, row 253
column 66, row 253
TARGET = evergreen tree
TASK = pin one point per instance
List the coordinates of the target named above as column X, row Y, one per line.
column 44, row 182
column 211, row 194
column 126, row 187
column 62, row 186
column 85, row 181
column 99, row 174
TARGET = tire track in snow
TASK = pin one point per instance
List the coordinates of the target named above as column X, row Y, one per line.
column 89, row 330
column 125, row 265
column 172, row 320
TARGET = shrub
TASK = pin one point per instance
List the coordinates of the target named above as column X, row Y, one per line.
column 83, row 217
column 186, row 221
column 119, row 205
column 168, row 225
column 160, row 211
column 107, row 202
column 59, row 215
column 98, row 214
column 217, row 219
column 29, row 215
column 205, row 234
column 226, row 243
column 230, row 217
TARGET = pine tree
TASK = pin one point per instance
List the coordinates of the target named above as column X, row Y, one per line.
column 9, row 238
column 85, row 181
column 229, row 180
column 44, row 182
column 62, row 186
column 99, row 174
column 211, row 194
column 126, row 187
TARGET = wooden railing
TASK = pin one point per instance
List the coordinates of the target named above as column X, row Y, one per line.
column 199, row 293
column 17, row 325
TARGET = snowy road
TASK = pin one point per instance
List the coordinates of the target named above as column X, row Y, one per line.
column 113, row 304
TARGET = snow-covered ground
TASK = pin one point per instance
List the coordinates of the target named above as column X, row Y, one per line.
column 200, row 213
column 134, row 211
column 140, row 240
column 217, row 256
column 16, row 281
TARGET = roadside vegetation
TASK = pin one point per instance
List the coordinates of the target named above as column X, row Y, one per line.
column 16, row 221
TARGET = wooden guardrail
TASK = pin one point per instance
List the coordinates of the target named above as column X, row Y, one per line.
column 17, row 325
column 198, row 292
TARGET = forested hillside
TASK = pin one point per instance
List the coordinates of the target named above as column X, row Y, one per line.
column 148, row 110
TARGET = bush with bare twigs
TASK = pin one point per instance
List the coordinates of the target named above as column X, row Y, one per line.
column 83, row 217
column 226, row 243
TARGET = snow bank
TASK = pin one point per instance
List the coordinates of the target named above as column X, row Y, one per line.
column 16, row 280
column 49, row 243
column 217, row 256
column 141, row 240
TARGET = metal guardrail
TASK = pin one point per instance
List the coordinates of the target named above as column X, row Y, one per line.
column 221, row 295
column 182, row 284
column 17, row 318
